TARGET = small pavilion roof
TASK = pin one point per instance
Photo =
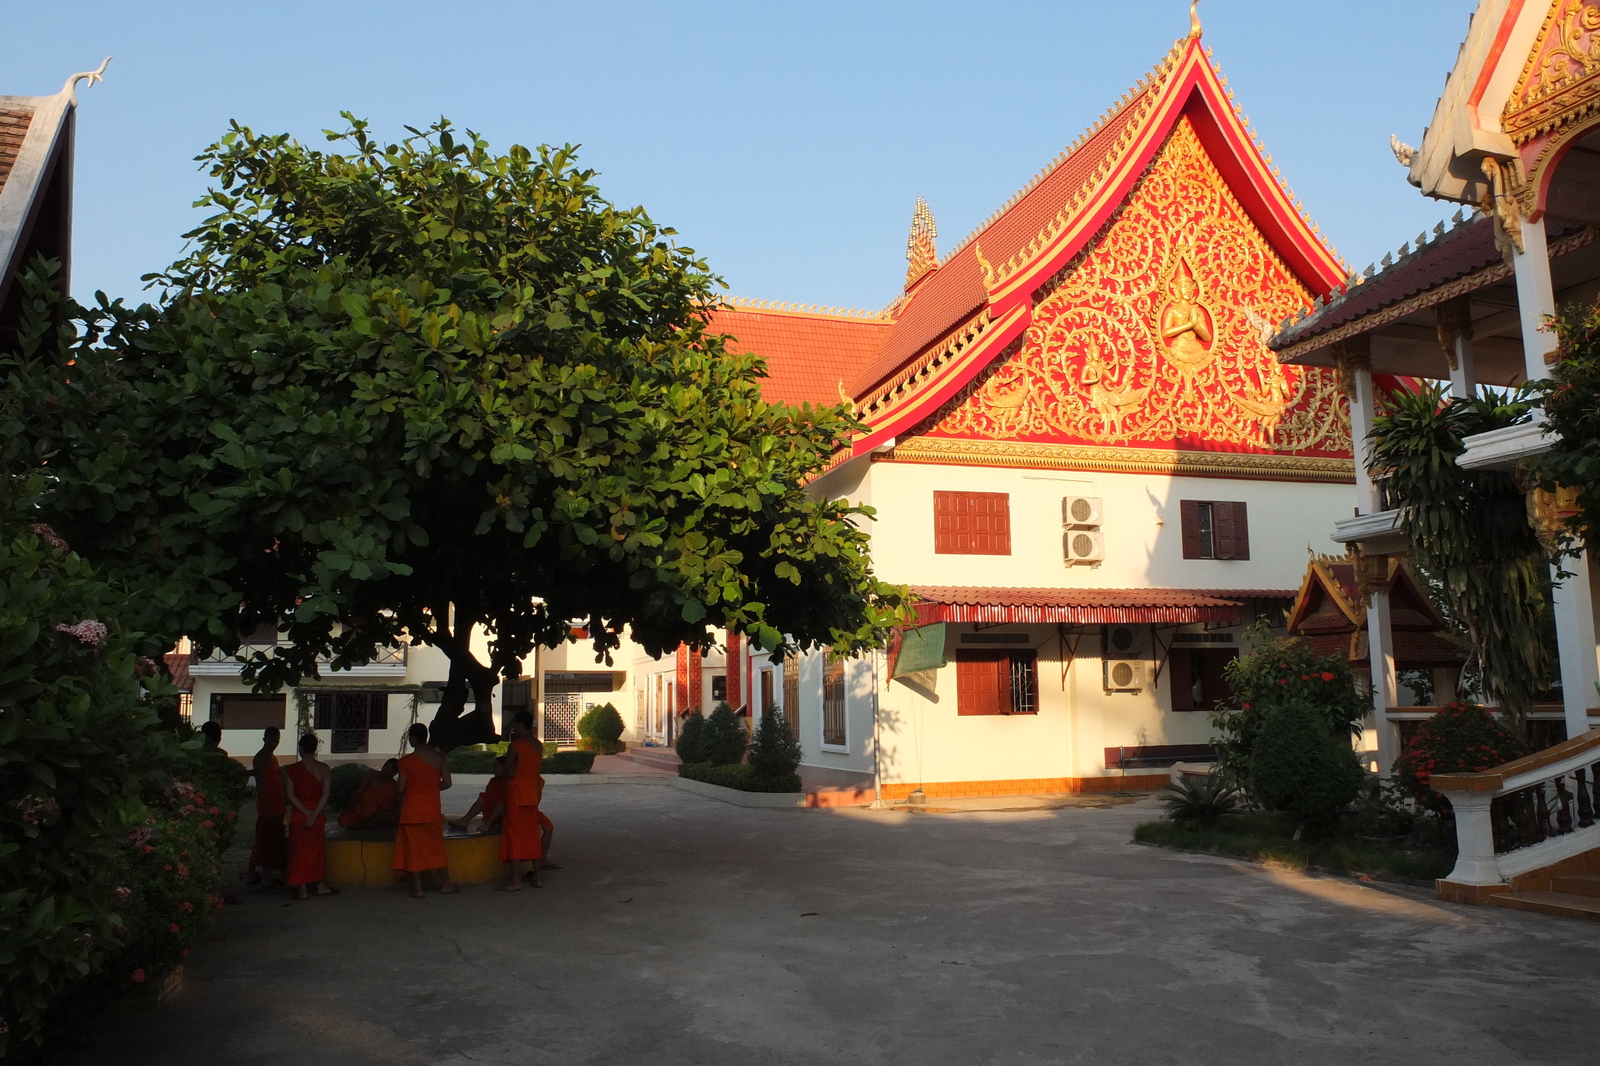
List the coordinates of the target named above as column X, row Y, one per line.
column 811, row 353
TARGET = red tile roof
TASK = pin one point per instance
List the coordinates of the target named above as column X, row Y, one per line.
column 808, row 355
column 14, row 123
column 956, row 290
column 1086, row 606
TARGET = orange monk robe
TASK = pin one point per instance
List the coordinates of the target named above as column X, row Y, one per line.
column 419, row 841
column 491, row 797
column 519, row 836
column 378, row 798
column 544, row 819
column 308, row 843
column 271, row 849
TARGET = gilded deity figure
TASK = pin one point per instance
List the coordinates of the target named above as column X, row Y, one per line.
column 1186, row 325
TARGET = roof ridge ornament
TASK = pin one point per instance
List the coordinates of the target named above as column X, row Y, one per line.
column 1194, row 18
column 922, row 254
column 70, row 89
column 1403, row 152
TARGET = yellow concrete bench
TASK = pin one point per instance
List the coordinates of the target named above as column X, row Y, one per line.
column 359, row 861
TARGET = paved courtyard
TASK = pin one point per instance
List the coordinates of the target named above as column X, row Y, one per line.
column 685, row 930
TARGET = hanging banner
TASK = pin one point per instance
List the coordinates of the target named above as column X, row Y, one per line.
column 921, row 649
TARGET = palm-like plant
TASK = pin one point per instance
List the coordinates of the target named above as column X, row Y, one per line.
column 1195, row 803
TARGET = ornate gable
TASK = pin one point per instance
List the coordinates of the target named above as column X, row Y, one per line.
column 1152, row 337
column 1560, row 83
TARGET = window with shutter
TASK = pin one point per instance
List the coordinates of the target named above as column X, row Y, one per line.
column 997, row 682
column 833, row 707
column 1214, row 529
column 1199, row 679
column 791, row 693
column 971, row 523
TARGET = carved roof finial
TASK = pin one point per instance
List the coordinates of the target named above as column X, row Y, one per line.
column 922, row 254
column 92, row 76
column 1194, row 18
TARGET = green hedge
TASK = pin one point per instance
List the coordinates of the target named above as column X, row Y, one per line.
column 741, row 776
column 342, row 787
column 601, row 729
column 480, row 760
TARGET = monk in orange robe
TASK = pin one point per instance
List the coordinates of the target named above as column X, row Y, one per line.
column 419, row 841
column 376, row 803
column 308, row 842
column 520, row 839
column 490, row 802
column 270, row 855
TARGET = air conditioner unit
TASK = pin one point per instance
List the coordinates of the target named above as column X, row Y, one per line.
column 1124, row 642
column 1081, row 512
column 1126, row 675
column 1083, row 547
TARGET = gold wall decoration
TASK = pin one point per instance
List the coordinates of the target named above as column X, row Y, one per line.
column 1560, row 82
column 1151, row 337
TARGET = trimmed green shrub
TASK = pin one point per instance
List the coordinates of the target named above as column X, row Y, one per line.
column 346, row 778
column 1301, row 768
column 1457, row 739
column 601, row 729
column 1194, row 803
column 741, row 776
column 691, row 742
column 474, row 760
column 774, row 751
column 569, row 762
column 725, row 738
column 1275, row 672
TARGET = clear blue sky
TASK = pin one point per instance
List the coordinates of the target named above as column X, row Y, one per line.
column 785, row 142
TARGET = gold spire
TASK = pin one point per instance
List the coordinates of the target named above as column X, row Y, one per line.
column 922, row 255
column 1194, row 18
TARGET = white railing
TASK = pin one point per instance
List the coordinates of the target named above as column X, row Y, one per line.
column 1526, row 814
column 388, row 662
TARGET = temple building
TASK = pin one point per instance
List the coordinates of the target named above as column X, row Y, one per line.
column 1083, row 459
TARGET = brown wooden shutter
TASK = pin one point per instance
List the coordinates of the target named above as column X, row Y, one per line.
column 1213, row 681
column 1241, row 533
column 1222, row 531
column 1189, row 515
column 978, row 685
column 1180, row 669
column 971, row 523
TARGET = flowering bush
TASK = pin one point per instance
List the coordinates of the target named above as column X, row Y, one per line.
column 104, row 845
column 1457, row 739
column 1280, row 672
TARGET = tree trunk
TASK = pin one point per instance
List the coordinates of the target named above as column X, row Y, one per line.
column 453, row 725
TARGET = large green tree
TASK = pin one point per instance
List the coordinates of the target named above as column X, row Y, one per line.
column 421, row 390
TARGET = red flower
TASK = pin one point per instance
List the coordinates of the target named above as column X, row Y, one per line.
column 207, row 823
column 148, row 849
column 167, row 867
column 1328, row 675
column 183, row 871
column 188, row 908
column 173, row 926
column 138, row 977
column 186, row 953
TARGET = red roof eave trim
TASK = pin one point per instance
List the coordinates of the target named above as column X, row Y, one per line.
column 928, row 613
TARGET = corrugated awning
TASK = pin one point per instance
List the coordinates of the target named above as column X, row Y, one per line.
column 1085, row 606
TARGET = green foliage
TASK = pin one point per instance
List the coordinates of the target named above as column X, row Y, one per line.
column 1456, row 739
column 1572, row 409
column 741, row 776
column 691, row 742
column 109, row 859
column 569, row 762
column 1267, row 837
column 401, row 383
column 725, row 737
column 1275, row 671
column 472, row 760
column 1469, row 530
column 1197, row 802
column 601, row 729
column 1301, row 768
column 225, row 783
column 774, row 751
column 344, row 782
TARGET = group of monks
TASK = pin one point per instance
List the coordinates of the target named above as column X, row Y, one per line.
column 404, row 794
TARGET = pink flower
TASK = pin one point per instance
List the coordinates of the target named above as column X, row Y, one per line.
column 186, row 953
column 50, row 537
column 88, row 633
column 121, row 894
column 145, row 667
column 138, row 836
column 138, row 977
column 173, row 926
column 207, row 823
column 36, row 811
column 188, row 908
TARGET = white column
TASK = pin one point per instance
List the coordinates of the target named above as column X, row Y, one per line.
column 1575, row 640
column 1464, row 376
column 1362, row 406
column 1380, row 649
column 1536, row 298
column 1475, row 863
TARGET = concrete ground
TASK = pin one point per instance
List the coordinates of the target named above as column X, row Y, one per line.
column 684, row 930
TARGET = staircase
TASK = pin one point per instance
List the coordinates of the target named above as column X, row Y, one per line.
column 1528, row 832
column 663, row 759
